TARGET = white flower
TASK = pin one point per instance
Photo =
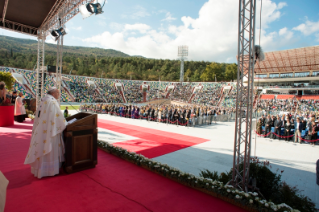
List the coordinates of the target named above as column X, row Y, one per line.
column 251, row 201
column 246, row 195
column 207, row 184
column 228, row 190
column 233, row 191
column 237, row 196
column 256, row 198
column 214, row 187
column 196, row 181
column 266, row 205
column 255, row 194
column 162, row 168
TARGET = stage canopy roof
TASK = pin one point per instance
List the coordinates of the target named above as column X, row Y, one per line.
column 288, row 61
column 27, row 16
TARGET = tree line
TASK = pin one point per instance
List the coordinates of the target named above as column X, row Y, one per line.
column 135, row 68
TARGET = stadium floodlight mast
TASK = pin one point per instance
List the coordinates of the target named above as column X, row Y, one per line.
column 182, row 53
column 245, row 94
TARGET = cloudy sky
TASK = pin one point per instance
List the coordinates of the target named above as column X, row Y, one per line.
column 154, row 29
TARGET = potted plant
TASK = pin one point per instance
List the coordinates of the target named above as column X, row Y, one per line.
column 6, row 108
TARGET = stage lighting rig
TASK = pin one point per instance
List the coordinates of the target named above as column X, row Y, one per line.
column 89, row 9
column 56, row 33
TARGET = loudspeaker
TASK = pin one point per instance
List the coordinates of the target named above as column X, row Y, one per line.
column 51, row 69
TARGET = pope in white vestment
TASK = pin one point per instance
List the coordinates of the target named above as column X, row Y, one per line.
column 46, row 151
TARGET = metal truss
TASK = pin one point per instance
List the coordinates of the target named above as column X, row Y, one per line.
column 17, row 27
column 40, row 68
column 61, row 12
column 245, row 95
column 69, row 9
column 59, row 54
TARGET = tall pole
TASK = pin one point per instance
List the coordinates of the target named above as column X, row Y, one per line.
column 182, row 53
column 244, row 102
column 40, row 64
column 59, row 54
column 181, row 77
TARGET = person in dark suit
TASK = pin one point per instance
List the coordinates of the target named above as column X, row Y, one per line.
column 263, row 120
column 298, row 129
column 268, row 125
column 278, row 124
column 287, row 132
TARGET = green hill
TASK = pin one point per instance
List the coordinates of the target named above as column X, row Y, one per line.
column 30, row 46
column 109, row 63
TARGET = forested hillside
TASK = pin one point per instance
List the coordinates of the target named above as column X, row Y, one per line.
column 97, row 62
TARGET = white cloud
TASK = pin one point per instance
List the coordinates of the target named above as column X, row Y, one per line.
column 116, row 26
column 142, row 28
column 308, row 27
column 168, row 17
column 212, row 36
column 137, row 13
column 286, row 33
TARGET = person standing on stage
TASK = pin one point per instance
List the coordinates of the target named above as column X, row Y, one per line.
column 46, row 151
column 19, row 109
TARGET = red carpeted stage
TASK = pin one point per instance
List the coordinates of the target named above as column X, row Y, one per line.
column 114, row 185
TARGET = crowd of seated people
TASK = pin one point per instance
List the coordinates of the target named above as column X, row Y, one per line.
column 182, row 92
column 210, row 94
column 111, row 94
column 133, row 91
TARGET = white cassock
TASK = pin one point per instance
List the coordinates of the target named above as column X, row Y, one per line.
column 19, row 107
column 46, row 151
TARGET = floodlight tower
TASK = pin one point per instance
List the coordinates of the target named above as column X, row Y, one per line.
column 182, row 53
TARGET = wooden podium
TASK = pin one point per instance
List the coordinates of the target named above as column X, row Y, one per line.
column 80, row 140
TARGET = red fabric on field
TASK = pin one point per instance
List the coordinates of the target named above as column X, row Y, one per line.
column 152, row 143
column 114, row 185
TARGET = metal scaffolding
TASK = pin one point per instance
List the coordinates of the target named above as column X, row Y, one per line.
column 60, row 13
column 245, row 95
column 40, row 64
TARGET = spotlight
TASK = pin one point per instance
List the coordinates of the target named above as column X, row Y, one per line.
column 89, row 9
column 259, row 54
column 56, row 33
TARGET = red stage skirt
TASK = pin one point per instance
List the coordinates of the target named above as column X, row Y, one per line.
column 6, row 116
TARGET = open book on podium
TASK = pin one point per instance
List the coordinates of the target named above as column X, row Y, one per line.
column 80, row 138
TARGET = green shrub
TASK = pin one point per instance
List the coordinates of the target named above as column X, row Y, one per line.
column 7, row 79
column 270, row 186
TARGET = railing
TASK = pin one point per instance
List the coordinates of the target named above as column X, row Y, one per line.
column 284, row 77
